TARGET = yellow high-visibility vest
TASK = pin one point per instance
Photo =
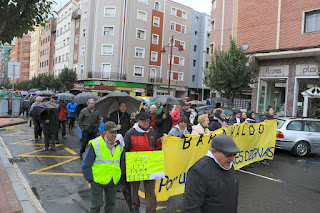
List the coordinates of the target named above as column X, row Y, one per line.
column 106, row 167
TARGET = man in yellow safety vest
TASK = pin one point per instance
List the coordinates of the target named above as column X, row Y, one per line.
column 101, row 167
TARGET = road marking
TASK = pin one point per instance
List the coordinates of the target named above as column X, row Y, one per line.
column 67, row 174
column 179, row 210
column 265, row 177
column 15, row 126
column 19, row 142
column 55, row 165
column 70, row 150
column 13, row 134
column 318, row 163
column 161, row 207
column 142, row 194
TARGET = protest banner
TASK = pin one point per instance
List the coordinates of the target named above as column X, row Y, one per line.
column 147, row 165
column 256, row 142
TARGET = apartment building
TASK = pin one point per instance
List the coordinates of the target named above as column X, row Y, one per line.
column 4, row 58
column 121, row 42
column 34, row 53
column 65, row 36
column 47, row 47
column 282, row 38
column 199, row 55
column 22, row 55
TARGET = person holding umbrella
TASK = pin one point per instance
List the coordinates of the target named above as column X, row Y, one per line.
column 36, row 119
column 163, row 121
column 50, row 123
column 89, row 122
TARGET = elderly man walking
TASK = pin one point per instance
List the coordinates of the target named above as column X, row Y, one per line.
column 36, row 120
column 102, row 165
column 89, row 122
column 211, row 184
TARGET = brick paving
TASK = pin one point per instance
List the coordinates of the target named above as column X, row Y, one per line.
column 9, row 202
column 8, row 122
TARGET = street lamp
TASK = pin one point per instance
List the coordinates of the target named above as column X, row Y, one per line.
column 164, row 51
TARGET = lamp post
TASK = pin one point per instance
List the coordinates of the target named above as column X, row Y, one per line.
column 164, row 51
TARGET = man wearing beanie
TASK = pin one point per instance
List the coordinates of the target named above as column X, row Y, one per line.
column 180, row 129
column 211, row 184
column 236, row 118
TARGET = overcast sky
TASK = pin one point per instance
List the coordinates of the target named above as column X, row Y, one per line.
column 199, row 5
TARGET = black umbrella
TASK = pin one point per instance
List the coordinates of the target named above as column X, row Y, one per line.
column 110, row 103
column 83, row 98
column 46, row 93
column 167, row 99
column 76, row 91
column 65, row 96
column 222, row 100
column 43, row 106
column 32, row 90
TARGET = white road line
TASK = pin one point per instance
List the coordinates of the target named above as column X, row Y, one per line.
column 265, row 177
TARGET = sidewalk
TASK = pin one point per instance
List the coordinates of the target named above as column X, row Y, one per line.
column 15, row 192
column 4, row 122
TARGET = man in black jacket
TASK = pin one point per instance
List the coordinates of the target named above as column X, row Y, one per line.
column 121, row 118
column 163, row 121
column 211, row 184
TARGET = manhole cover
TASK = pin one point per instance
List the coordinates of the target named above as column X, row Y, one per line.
column 17, row 159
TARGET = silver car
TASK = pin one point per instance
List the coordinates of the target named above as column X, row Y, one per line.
column 301, row 136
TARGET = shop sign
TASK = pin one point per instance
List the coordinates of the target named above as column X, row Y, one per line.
column 138, row 90
column 78, row 85
column 274, row 71
column 307, row 70
column 100, row 83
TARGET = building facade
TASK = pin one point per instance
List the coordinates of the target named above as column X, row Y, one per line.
column 34, row 52
column 65, row 36
column 47, row 47
column 121, row 42
column 22, row 55
column 282, row 39
column 199, row 55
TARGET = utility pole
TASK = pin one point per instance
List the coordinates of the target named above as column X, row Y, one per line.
column 12, row 94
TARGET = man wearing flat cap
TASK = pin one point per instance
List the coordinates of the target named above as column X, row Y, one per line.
column 142, row 138
column 211, row 184
column 102, row 166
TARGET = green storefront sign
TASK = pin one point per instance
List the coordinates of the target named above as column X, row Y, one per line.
column 114, row 83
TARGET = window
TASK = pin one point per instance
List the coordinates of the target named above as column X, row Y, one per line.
column 157, row 5
column 181, row 61
column 85, row 15
column 82, row 51
column 295, row 125
column 59, row 58
column 193, row 78
column 180, row 76
column 212, row 25
column 63, row 58
column 195, row 48
column 173, row 11
column 184, row 15
column 106, row 70
column 183, row 29
column 67, row 56
column 154, row 56
column 207, row 64
column 69, row 26
column 155, row 39
column 214, row 4
column 141, row 15
column 194, row 63
column 109, row 11
column 156, row 21
column 196, row 20
column 153, row 73
column 107, row 49
column 81, row 68
column 139, row 52
column 196, row 34
column 312, row 21
column 172, row 26
column 108, row 31
column 141, row 34
column 312, row 126
column 64, row 42
column 75, row 56
column 143, row 1
column 209, row 22
column 138, row 71
column 76, row 39
column 211, row 48
column 208, row 36
column 83, row 33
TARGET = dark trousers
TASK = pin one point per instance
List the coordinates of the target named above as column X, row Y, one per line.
column 71, row 122
column 37, row 128
column 151, row 200
column 50, row 139
column 126, row 190
column 97, row 191
column 86, row 137
column 63, row 124
column 25, row 110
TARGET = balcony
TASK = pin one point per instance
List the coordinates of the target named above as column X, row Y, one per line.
column 76, row 14
column 107, row 75
column 154, row 80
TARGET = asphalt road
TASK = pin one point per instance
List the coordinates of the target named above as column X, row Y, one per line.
column 288, row 184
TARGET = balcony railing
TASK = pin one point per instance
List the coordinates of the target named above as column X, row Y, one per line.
column 107, row 75
column 76, row 14
column 154, row 80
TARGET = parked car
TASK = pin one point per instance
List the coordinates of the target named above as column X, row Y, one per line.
column 301, row 136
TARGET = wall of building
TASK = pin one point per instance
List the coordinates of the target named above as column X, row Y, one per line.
column 34, row 53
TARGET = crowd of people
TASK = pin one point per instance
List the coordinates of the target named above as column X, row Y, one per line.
column 106, row 139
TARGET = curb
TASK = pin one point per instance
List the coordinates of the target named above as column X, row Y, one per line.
column 32, row 198
column 13, row 124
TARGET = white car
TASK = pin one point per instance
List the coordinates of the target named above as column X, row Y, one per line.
column 301, row 136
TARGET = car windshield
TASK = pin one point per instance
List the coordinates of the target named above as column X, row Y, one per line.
column 280, row 123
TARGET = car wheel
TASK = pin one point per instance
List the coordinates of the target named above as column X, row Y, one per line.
column 301, row 149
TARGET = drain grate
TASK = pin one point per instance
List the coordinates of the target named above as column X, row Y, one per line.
column 17, row 159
